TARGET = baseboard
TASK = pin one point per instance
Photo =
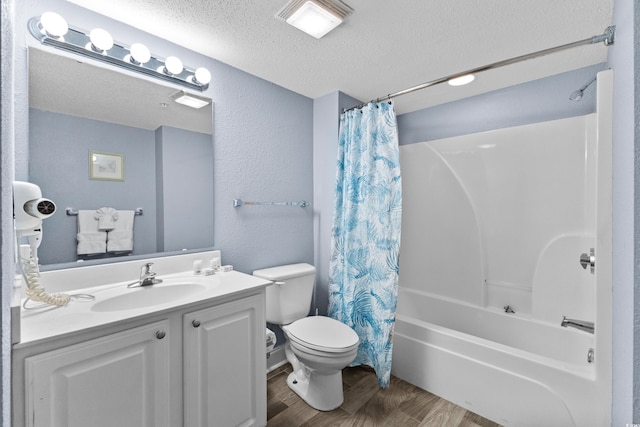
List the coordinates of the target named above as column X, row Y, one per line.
column 276, row 359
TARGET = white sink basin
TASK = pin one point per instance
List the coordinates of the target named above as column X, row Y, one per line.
column 147, row 296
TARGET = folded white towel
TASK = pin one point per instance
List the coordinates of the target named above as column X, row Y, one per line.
column 120, row 240
column 121, row 237
column 87, row 222
column 90, row 239
column 106, row 218
column 92, row 243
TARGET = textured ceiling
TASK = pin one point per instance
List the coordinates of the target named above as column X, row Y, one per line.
column 384, row 46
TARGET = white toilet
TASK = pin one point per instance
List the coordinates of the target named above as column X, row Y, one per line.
column 317, row 347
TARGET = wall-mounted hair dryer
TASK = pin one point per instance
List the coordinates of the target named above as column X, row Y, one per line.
column 29, row 209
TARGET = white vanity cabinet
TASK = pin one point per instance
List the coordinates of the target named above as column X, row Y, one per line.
column 118, row 380
column 225, row 366
column 199, row 364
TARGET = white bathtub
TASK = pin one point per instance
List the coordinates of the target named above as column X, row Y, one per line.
column 505, row 367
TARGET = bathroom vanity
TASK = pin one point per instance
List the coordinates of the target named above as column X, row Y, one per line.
column 152, row 356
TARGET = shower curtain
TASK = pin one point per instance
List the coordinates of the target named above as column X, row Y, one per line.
column 365, row 238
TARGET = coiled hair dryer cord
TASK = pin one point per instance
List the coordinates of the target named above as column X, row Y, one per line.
column 34, row 290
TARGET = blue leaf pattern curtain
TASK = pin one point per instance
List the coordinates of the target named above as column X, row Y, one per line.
column 365, row 240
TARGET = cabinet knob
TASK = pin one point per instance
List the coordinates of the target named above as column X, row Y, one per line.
column 195, row 323
column 160, row 334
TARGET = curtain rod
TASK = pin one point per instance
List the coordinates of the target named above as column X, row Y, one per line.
column 607, row 38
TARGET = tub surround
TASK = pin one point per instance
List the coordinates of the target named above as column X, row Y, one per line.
column 529, row 201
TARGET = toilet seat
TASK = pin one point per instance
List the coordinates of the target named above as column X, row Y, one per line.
column 323, row 334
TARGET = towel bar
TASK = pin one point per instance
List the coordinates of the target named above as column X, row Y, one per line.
column 239, row 202
column 74, row 212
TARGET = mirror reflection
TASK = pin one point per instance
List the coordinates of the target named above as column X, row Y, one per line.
column 155, row 156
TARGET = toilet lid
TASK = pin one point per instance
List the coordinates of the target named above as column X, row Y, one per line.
column 323, row 334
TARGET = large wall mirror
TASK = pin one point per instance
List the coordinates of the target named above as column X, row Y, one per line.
column 162, row 152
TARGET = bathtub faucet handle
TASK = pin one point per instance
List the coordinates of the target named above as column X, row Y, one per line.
column 589, row 260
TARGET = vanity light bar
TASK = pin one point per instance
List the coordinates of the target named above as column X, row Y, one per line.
column 98, row 45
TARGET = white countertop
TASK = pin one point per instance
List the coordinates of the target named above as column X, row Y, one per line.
column 49, row 322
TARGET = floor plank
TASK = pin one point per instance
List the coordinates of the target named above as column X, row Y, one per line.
column 366, row 404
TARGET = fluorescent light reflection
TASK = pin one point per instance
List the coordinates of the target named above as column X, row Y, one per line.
column 189, row 100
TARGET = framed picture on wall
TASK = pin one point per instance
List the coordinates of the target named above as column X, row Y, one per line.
column 106, row 166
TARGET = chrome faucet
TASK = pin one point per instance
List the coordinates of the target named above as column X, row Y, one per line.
column 147, row 277
column 583, row 325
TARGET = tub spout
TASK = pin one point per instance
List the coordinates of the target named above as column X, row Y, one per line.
column 583, row 325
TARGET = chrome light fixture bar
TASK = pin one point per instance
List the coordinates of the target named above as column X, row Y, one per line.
column 52, row 30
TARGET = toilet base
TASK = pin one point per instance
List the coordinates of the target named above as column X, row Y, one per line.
column 321, row 392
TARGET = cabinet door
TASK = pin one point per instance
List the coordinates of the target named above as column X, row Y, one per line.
column 225, row 365
column 117, row 380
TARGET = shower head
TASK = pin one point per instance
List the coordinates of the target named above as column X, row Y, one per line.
column 578, row 94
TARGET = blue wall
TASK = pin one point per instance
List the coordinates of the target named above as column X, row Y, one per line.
column 262, row 152
column 626, row 158
column 185, row 180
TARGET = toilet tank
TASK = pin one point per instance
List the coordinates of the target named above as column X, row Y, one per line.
column 289, row 299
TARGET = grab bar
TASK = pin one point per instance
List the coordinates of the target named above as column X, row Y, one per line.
column 239, row 202
column 583, row 325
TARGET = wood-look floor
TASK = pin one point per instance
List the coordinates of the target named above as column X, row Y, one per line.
column 366, row 404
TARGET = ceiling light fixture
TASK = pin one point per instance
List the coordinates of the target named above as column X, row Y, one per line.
column 315, row 17
column 52, row 30
column 193, row 101
column 462, row 80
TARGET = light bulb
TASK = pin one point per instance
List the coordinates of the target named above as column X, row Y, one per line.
column 53, row 24
column 139, row 54
column 172, row 66
column 202, row 76
column 101, row 40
